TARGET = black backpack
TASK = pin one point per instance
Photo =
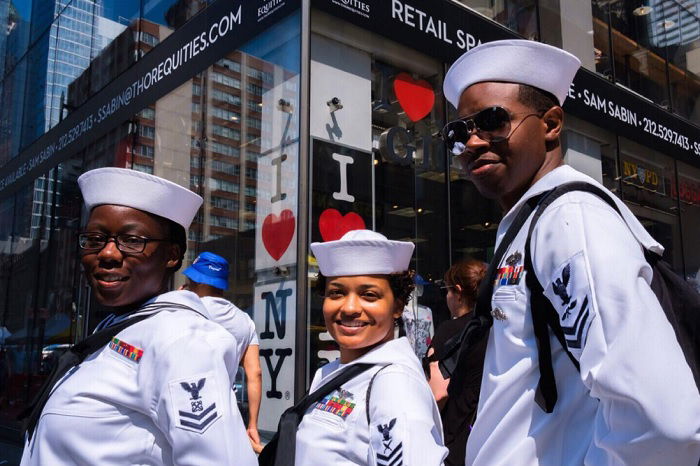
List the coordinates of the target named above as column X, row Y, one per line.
column 679, row 300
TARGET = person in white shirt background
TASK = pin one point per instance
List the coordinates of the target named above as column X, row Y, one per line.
column 160, row 391
column 634, row 400
column 387, row 414
column 208, row 279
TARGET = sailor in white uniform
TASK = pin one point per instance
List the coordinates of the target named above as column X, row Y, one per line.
column 208, row 279
column 366, row 283
column 160, row 391
column 634, row 401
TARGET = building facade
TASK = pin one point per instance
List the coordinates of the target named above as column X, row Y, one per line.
column 298, row 120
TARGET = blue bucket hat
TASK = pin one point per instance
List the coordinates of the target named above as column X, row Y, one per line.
column 419, row 280
column 209, row 269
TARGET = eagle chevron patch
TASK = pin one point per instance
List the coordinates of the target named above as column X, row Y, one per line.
column 569, row 292
column 386, row 441
column 194, row 402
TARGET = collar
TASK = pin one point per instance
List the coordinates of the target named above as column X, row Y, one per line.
column 564, row 174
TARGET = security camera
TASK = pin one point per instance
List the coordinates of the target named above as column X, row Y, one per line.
column 334, row 104
column 281, row 271
column 285, row 106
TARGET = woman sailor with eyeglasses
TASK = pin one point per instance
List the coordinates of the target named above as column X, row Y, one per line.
column 152, row 385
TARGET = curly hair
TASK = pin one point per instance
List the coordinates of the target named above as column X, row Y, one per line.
column 401, row 285
column 468, row 276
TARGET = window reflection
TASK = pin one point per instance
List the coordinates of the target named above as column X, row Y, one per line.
column 517, row 15
column 687, row 194
column 217, row 133
column 652, row 48
column 172, row 13
column 647, row 178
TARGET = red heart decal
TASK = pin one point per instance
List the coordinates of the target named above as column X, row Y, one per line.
column 334, row 225
column 277, row 233
column 415, row 96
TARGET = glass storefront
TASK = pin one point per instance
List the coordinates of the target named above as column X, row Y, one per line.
column 652, row 48
column 229, row 133
column 229, row 123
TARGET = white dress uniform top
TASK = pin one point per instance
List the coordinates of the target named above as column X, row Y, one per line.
column 635, row 401
column 404, row 421
column 160, row 391
column 161, row 395
column 233, row 319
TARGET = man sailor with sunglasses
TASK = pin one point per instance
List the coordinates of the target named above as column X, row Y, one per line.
column 619, row 409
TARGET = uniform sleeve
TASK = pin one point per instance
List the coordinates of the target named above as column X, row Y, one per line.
column 193, row 404
column 594, row 273
column 253, row 333
column 402, row 428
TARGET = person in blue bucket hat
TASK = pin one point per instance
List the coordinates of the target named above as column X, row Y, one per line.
column 209, row 269
column 208, row 278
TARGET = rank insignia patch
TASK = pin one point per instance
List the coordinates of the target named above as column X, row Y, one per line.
column 340, row 403
column 194, row 402
column 128, row 351
column 569, row 293
column 390, row 452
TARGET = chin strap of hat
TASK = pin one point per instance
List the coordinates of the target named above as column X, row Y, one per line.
column 76, row 355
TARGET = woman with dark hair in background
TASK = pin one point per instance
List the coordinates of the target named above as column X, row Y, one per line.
column 152, row 385
column 462, row 285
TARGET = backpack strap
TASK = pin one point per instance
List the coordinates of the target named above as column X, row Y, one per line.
column 369, row 390
column 79, row 352
column 543, row 313
column 71, row 358
column 456, row 348
column 286, row 435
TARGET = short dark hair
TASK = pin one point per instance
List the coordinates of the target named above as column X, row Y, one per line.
column 537, row 99
column 178, row 236
column 401, row 285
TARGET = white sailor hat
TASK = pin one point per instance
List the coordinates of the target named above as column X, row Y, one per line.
column 528, row 62
column 131, row 188
column 362, row 252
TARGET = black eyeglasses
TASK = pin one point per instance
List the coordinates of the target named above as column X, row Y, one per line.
column 491, row 124
column 125, row 243
column 443, row 285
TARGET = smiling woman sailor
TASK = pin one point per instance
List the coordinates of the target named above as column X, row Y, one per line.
column 385, row 412
column 152, row 385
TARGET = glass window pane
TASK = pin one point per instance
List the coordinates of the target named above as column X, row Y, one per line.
column 517, row 15
column 654, row 50
column 687, row 195
column 171, row 13
column 16, row 43
column 377, row 166
column 12, row 111
column 36, row 93
column 647, row 178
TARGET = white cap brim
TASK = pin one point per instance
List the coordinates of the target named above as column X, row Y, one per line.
column 528, row 62
column 362, row 252
column 131, row 188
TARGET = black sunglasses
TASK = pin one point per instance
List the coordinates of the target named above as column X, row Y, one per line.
column 492, row 124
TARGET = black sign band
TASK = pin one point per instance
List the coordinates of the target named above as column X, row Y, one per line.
column 220, row 28
column 445, row 30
